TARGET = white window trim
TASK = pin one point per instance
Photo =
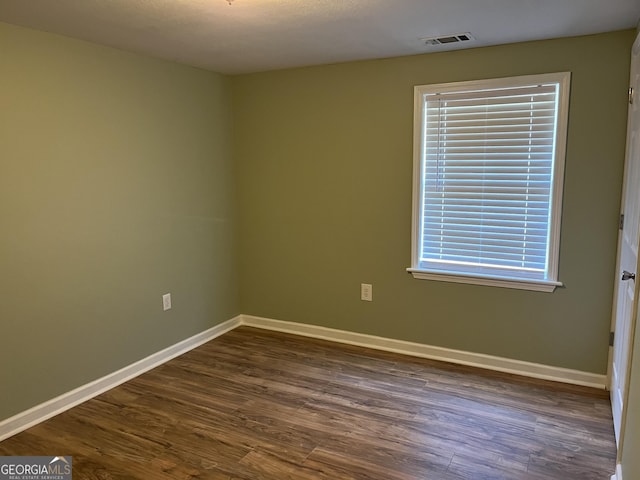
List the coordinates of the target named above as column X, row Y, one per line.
column 564, row 81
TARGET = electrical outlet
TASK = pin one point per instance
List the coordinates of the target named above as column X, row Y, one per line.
column 366, row 292
column 166, row 301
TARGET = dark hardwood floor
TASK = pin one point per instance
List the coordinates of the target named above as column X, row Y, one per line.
column 254, row 405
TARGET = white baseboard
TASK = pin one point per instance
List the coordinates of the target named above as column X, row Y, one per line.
column 618, row 474
column 46, row 410
column 507, row 365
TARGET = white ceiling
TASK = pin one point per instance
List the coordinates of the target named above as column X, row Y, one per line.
column 256, row 35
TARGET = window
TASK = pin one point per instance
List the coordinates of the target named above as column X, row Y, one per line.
column 488, row 175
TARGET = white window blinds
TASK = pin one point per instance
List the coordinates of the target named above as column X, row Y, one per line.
column 488, row 159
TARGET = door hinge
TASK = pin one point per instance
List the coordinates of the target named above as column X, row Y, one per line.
column 621, row 225
column 611, row 338
column 631, row 92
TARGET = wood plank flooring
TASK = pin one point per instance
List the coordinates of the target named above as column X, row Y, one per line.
column 254, row 405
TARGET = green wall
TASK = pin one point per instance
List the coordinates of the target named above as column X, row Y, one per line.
column 116, row 186
column 324, row 163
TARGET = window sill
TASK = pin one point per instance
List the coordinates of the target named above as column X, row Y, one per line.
column 502, row 282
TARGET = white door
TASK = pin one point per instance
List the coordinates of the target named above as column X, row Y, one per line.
column 625, row 308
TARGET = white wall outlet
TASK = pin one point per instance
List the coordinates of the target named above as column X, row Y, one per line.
column 166, row 301
column 366, row 292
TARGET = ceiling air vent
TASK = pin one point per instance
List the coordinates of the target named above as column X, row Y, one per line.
column 447, row 39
